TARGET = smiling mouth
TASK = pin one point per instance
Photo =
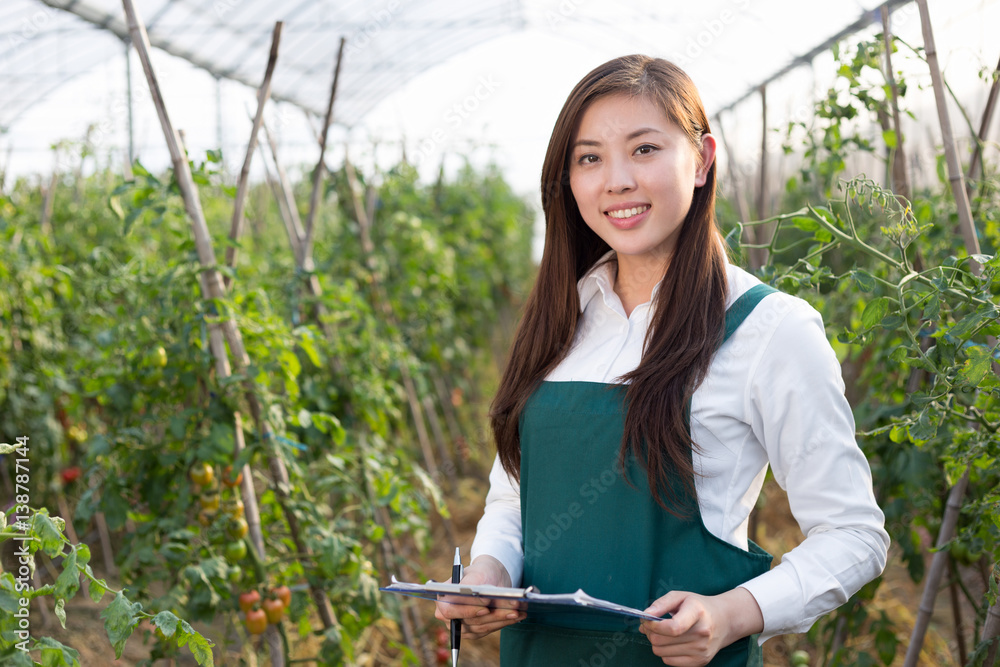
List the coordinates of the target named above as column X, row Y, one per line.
column 624, row 213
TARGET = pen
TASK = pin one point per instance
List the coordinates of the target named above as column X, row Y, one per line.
column 456, row 624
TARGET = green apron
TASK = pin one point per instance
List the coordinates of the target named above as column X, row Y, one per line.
column 584, row 526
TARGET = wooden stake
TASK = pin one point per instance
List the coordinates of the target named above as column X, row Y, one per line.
column 447, row 465
column 296, row 233
column 956, row 612
column 107, row 554
column 317, row 178
column 48, row 203
column 451, row 419
column 214, row 289
column 975, row 164
column 991, row 630
column 939, row 563
column 762, row 184
column 263, row 95
column 955, row 176
column 900, row 174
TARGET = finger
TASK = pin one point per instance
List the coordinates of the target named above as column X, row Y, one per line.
column 481, row 629
column 667, row 604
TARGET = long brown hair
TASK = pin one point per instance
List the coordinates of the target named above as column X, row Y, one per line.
column 689, row 308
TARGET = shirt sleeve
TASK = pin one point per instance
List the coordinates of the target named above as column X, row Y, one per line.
column 498, row 533
column 799, row 412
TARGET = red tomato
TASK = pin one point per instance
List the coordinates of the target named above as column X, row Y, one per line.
column 248, row 600
column 229, row 480
column 443, row 655
column 274, row 608
column 283, row 593
column 256, row 621
column 70, row 475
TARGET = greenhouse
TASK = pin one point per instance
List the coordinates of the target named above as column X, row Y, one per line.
column 688, row 358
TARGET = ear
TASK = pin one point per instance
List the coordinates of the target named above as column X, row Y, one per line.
column 707, row 158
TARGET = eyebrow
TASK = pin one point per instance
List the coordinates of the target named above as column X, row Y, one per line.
column 632, row 135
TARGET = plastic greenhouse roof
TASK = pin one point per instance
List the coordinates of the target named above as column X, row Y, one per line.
column 728, row 46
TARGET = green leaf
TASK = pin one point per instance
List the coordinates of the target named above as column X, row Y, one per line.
column 805, row 224
column 892, row 321
column 923, row 429
column 55, row 654
column 864, row 280
column 967, row 325
column 874, row 312
column 97, row 589
column 200, row 648
column 167, row 623
column 7, row 448
column 69, row 580
column 933, row 308
column 60, row 612
column 48, row 534
column 15, row 657
column 9, row 597
column 889, row 137
column 120, row 619
column 976, row 366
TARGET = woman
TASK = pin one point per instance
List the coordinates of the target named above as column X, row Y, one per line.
column 649, row 386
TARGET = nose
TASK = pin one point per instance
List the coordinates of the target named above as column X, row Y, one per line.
column 619, row 177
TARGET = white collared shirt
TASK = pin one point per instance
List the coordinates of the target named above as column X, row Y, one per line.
column 773, row 396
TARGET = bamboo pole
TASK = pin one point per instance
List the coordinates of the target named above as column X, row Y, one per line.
column 450, row 419
column 447, row 465
column 48, row 203
column 955, row 177
column 296, row 233
column 953, row 506
column 975, row 164
column 213, row 288
column 956, row 612
column 762, row 183
column 991, row 629
column 264, row 93
column 279, row 198
column 317, row 177
column 900, row 174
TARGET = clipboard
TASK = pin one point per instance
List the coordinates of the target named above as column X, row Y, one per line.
column 526, row 599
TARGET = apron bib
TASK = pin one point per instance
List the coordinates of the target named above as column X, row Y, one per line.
column 585, row 526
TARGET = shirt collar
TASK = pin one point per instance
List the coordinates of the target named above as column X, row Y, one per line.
column 600, row 278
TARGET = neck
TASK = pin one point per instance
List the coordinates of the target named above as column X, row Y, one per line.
column 636, row 279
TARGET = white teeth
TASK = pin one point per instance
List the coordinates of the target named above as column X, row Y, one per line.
column 628, row 212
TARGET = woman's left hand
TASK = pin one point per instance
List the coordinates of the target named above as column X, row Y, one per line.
column 700, row 625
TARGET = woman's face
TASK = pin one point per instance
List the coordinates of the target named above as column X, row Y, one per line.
column 633, row 173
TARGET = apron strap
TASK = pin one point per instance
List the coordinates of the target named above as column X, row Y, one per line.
column 742, row 307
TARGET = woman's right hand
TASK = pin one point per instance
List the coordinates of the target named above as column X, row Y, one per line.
column 481, row 621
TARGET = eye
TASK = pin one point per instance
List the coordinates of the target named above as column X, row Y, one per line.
column 645, row 149
column 588, row 158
